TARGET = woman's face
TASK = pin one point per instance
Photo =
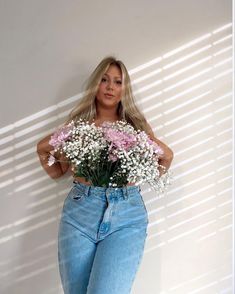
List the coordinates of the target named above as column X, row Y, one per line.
column 110, row 88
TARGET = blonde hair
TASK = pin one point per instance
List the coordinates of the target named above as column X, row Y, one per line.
column 127, row 109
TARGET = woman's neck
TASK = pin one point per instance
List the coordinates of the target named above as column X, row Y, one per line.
column 109, row 114
column 103, row 117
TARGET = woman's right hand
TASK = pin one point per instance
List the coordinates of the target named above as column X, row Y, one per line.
column 44, row 150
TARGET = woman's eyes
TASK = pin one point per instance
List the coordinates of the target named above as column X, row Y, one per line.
column 118, row 82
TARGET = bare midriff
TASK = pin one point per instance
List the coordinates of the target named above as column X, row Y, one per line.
column 83, row 181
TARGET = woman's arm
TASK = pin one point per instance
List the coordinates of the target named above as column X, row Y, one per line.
column 43, row 150
column 168, row 155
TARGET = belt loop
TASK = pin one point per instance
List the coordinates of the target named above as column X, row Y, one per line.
column 125, row 193
column 87, row 190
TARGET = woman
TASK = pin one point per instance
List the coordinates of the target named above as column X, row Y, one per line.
column 102, row 230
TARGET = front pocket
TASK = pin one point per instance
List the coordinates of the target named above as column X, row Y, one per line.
column 136, row 200
column 76, row 194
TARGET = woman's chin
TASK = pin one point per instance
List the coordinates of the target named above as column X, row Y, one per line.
column 109, row 103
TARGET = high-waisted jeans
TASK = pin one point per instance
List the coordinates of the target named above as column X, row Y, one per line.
column 101, row 239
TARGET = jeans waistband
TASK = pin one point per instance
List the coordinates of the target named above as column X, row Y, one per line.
column 125, row 190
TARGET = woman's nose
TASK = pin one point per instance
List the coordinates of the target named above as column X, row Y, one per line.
column 110, row 85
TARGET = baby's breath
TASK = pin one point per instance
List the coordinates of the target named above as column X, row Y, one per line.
column 113, row 155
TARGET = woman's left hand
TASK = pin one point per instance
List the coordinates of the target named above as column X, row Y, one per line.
column 166, row 158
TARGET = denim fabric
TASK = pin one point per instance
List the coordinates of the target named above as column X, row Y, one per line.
column 101, row 239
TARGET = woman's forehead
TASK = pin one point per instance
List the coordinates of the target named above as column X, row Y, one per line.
column 118, row 76
column 115, row 70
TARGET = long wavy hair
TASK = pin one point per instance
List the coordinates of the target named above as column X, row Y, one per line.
column 127, row 109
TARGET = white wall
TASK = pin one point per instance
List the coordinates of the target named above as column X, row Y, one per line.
column 181, row 69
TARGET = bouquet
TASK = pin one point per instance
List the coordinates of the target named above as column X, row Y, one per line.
column 110, row 155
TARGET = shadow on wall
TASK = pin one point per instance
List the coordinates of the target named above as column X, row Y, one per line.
column 187, row 98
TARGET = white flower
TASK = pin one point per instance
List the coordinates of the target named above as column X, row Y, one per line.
column 51, row 160
column 87, row 146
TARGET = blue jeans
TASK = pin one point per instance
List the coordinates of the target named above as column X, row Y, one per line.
column 101, row 239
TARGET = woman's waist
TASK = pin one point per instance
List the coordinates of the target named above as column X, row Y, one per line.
column 83, row 181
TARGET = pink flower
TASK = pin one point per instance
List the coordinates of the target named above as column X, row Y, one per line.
column 113, row 157
column 156, row 147
column 60, row 136
column 119, row 139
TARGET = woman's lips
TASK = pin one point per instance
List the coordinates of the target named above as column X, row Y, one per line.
column 109, row 95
